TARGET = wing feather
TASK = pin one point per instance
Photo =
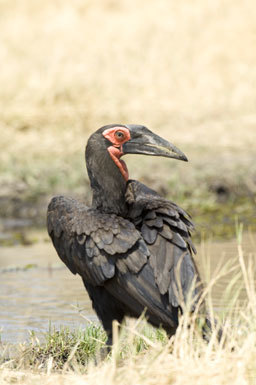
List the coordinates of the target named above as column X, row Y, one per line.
column 165, row 227
column 90, row 243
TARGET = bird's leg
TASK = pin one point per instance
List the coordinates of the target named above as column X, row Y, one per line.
column 106, row 349
column 208, row 328
column 108, row 309
column 112, row 337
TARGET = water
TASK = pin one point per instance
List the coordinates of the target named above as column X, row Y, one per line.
column 33, row 297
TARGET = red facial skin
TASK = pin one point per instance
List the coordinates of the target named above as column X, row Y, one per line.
column 118, row 136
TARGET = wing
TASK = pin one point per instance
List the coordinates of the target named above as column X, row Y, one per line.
column 166, row 228
column 94, row 244
column 108, row 250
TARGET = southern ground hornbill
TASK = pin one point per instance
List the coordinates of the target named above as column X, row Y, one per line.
column 132, row 248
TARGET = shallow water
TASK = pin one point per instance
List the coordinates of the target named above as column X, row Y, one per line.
column 32, row 298
column 37, row 290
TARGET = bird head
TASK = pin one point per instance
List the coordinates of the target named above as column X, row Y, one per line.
column 136, row 139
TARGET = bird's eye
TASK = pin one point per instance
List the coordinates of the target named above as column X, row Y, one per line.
column 119, row 135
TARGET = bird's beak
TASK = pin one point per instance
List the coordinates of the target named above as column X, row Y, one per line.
column 143, row 141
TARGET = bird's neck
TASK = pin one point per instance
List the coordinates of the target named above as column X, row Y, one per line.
column 107, row 183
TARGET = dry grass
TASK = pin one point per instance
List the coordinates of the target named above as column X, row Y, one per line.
column 186, row 70
column 163, row 63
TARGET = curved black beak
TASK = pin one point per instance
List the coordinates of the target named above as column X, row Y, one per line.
column 143, row 141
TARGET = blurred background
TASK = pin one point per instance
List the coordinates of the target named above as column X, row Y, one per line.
column 186, row 70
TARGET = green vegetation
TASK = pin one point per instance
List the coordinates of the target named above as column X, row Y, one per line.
column 62, row 347
column 74, row 349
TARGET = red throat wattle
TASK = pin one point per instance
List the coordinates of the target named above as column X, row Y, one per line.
column 118, row 136
column 116, row 154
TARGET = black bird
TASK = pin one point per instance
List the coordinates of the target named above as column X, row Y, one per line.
column 132, row 248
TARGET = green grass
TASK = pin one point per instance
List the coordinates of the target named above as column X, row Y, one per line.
column 64, row 346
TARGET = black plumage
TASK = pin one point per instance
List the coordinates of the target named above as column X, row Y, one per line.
column 132, row 248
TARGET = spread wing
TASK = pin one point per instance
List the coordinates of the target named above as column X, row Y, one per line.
column 94, row 244
column 166, row 228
